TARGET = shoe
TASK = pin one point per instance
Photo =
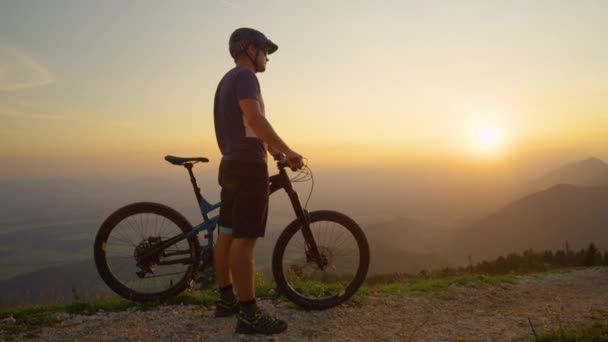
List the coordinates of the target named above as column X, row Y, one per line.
column 260, row 323
column 225, row 309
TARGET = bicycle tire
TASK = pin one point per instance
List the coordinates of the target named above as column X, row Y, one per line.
column 279, row 272
column 120, row 215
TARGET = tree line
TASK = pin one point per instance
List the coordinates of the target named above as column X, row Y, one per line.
column 530, row 261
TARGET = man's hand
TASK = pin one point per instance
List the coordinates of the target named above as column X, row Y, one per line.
column 295, row 160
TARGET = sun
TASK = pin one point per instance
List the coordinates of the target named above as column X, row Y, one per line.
column 487, row 136
column 487, row 139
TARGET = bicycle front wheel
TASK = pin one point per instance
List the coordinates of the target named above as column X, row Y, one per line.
column 122, row 252
column 344, row 250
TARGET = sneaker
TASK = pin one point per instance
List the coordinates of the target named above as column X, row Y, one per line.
column 225, row 309
column 260, row 323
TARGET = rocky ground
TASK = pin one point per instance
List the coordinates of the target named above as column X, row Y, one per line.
column 497, row 313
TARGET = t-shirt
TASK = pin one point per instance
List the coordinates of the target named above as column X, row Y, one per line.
column 235, row 138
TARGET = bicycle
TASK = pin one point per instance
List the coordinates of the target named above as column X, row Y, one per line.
column 312, row 266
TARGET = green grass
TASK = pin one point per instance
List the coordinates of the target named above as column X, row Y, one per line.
column 434, row 287
column 559, row 270
column 30, row 318
column 564, row 270
column 596, row 332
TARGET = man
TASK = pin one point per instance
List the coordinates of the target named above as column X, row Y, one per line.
column 244, row 135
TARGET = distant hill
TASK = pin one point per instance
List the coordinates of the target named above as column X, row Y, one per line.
column 543, row 220
column 402, row 233
column 53, row 284
column 403, row 245
column 588, row 172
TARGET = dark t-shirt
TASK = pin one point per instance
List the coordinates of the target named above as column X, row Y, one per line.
column 236, row 139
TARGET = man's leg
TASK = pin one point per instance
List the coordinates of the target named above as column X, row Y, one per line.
column 250, row 320
column 221, row 257
column 228, row 304
column 243, row 269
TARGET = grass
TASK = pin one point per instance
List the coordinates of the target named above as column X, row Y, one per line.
column 575, row 332
column 598, row 331
column 30, row 318
column 560, row 270
column 432, row 287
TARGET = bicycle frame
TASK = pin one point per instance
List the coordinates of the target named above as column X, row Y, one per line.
column 277, row 182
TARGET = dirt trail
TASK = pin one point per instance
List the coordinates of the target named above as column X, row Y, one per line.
column 497, row 313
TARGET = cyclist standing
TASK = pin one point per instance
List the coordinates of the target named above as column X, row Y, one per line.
column 244, row 136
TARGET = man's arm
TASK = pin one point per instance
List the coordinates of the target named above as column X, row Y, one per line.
column 262, row 128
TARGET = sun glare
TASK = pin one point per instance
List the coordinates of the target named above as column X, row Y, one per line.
column 487, row 139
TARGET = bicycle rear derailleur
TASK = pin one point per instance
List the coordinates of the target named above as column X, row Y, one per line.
column 146, row 265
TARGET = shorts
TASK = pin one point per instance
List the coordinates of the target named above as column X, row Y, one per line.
column 244, row 197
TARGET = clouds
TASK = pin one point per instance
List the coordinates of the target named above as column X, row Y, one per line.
column 24, row 110
column 19, row 71
column 21, row 111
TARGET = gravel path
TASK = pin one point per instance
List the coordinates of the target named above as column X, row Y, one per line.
column 497, row 313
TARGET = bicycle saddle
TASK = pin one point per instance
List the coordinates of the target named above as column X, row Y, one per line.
column 181, row 161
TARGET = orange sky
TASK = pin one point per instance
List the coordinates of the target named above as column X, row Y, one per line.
column 112, row 88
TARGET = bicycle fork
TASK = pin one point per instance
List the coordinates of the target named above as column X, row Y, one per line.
column 312, row 251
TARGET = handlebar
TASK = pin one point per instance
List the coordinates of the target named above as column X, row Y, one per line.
column 281, row 160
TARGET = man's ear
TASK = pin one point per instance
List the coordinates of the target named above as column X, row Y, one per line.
column 251, row 50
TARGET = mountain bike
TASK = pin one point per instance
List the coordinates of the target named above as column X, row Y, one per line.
column 148, row 251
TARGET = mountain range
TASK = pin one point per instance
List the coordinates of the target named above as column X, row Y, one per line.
column 572, row 208
column 589, row 172
column 547, row 219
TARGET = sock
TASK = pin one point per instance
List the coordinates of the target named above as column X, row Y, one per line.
column 249, row 307
column 227, row 294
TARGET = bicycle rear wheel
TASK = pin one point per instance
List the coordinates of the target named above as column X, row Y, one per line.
column 345, row 253
column 124, row 239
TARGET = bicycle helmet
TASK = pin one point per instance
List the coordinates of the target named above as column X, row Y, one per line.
column 241, row 38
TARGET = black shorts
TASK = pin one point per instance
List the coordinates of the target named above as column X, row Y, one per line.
column 245, row 191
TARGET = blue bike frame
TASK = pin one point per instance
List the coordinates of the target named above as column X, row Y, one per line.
column 279, row 181
column 209, row 223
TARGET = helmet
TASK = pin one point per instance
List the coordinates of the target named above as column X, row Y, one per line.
column 241, row 38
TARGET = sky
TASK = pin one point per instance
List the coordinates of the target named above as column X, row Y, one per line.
column 110, row 87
